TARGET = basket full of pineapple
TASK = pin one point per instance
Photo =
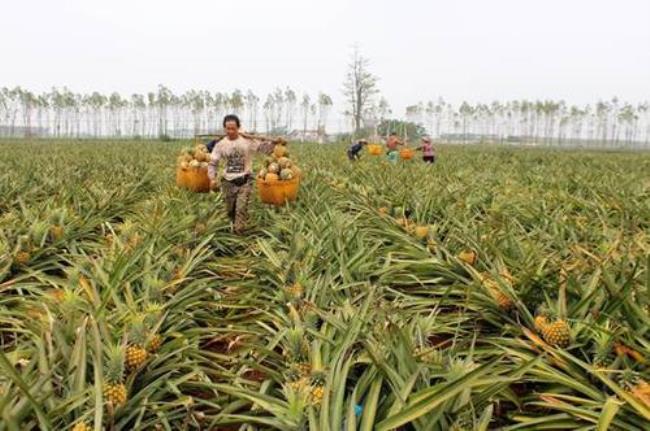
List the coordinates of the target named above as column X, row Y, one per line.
column 279, row 180
column 192, row 169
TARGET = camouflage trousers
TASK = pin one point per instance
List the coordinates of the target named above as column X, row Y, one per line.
column 237, row 199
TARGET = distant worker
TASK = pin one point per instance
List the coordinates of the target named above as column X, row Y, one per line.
column 428, row 151
column 391, row 144
column 354, row 152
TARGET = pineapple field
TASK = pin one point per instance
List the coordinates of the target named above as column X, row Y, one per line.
column 500, row 288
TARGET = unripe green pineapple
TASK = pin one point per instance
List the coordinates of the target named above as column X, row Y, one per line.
column 114, row 389
column 557, row 333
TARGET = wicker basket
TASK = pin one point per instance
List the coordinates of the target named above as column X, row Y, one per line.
column 193, row 179
column 406, row 153
column 278, row 192
column 374, row 149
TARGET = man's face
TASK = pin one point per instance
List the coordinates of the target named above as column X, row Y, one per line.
column 231, row 129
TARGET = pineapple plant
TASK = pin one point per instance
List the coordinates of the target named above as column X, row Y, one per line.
column 136, row 352
column 115, row 391
column 633, row 383
column 603, row 347
column 296, row 347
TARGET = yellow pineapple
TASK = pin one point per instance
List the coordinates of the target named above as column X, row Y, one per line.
column 557, row 333
column 154, row 343
column 57, row 232
column 503, row 301
column 468, row 256
column 421, row 232
column 114, row 390
column 316, row 394
column 299, row 384
column 136, row 354
column 304, row 369
column 295, row 291
column 541, row 322
column 23, row 257
column 81, row 426
column 200, row 228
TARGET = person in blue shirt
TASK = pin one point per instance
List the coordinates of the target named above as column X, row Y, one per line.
column 354, row 152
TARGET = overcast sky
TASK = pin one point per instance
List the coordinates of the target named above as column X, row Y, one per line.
column 479, row 50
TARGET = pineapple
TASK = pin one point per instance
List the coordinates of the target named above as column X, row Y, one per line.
column 154, row 343
column 468, row 256
column 421, row 232
column 557, row 333
column 635, row 385
column 23, row 257
column 136, row 353
column 304, row 369
column 503, row 300
column 295, row 291
column 114, row 389
column 200, row 228
column 81, row 426
column 316, row 395
column 541, row 321
column 57, row 232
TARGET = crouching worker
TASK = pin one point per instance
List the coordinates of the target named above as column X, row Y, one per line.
column 354, row 152
column 236, row 181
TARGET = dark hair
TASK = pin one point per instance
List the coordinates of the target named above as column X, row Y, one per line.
column 393, row 134
column 231, row 117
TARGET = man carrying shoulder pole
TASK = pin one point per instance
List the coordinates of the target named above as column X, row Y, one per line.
column 236, row 181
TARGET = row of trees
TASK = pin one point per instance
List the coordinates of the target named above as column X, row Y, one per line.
column 607, row 122
column 63, row 113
